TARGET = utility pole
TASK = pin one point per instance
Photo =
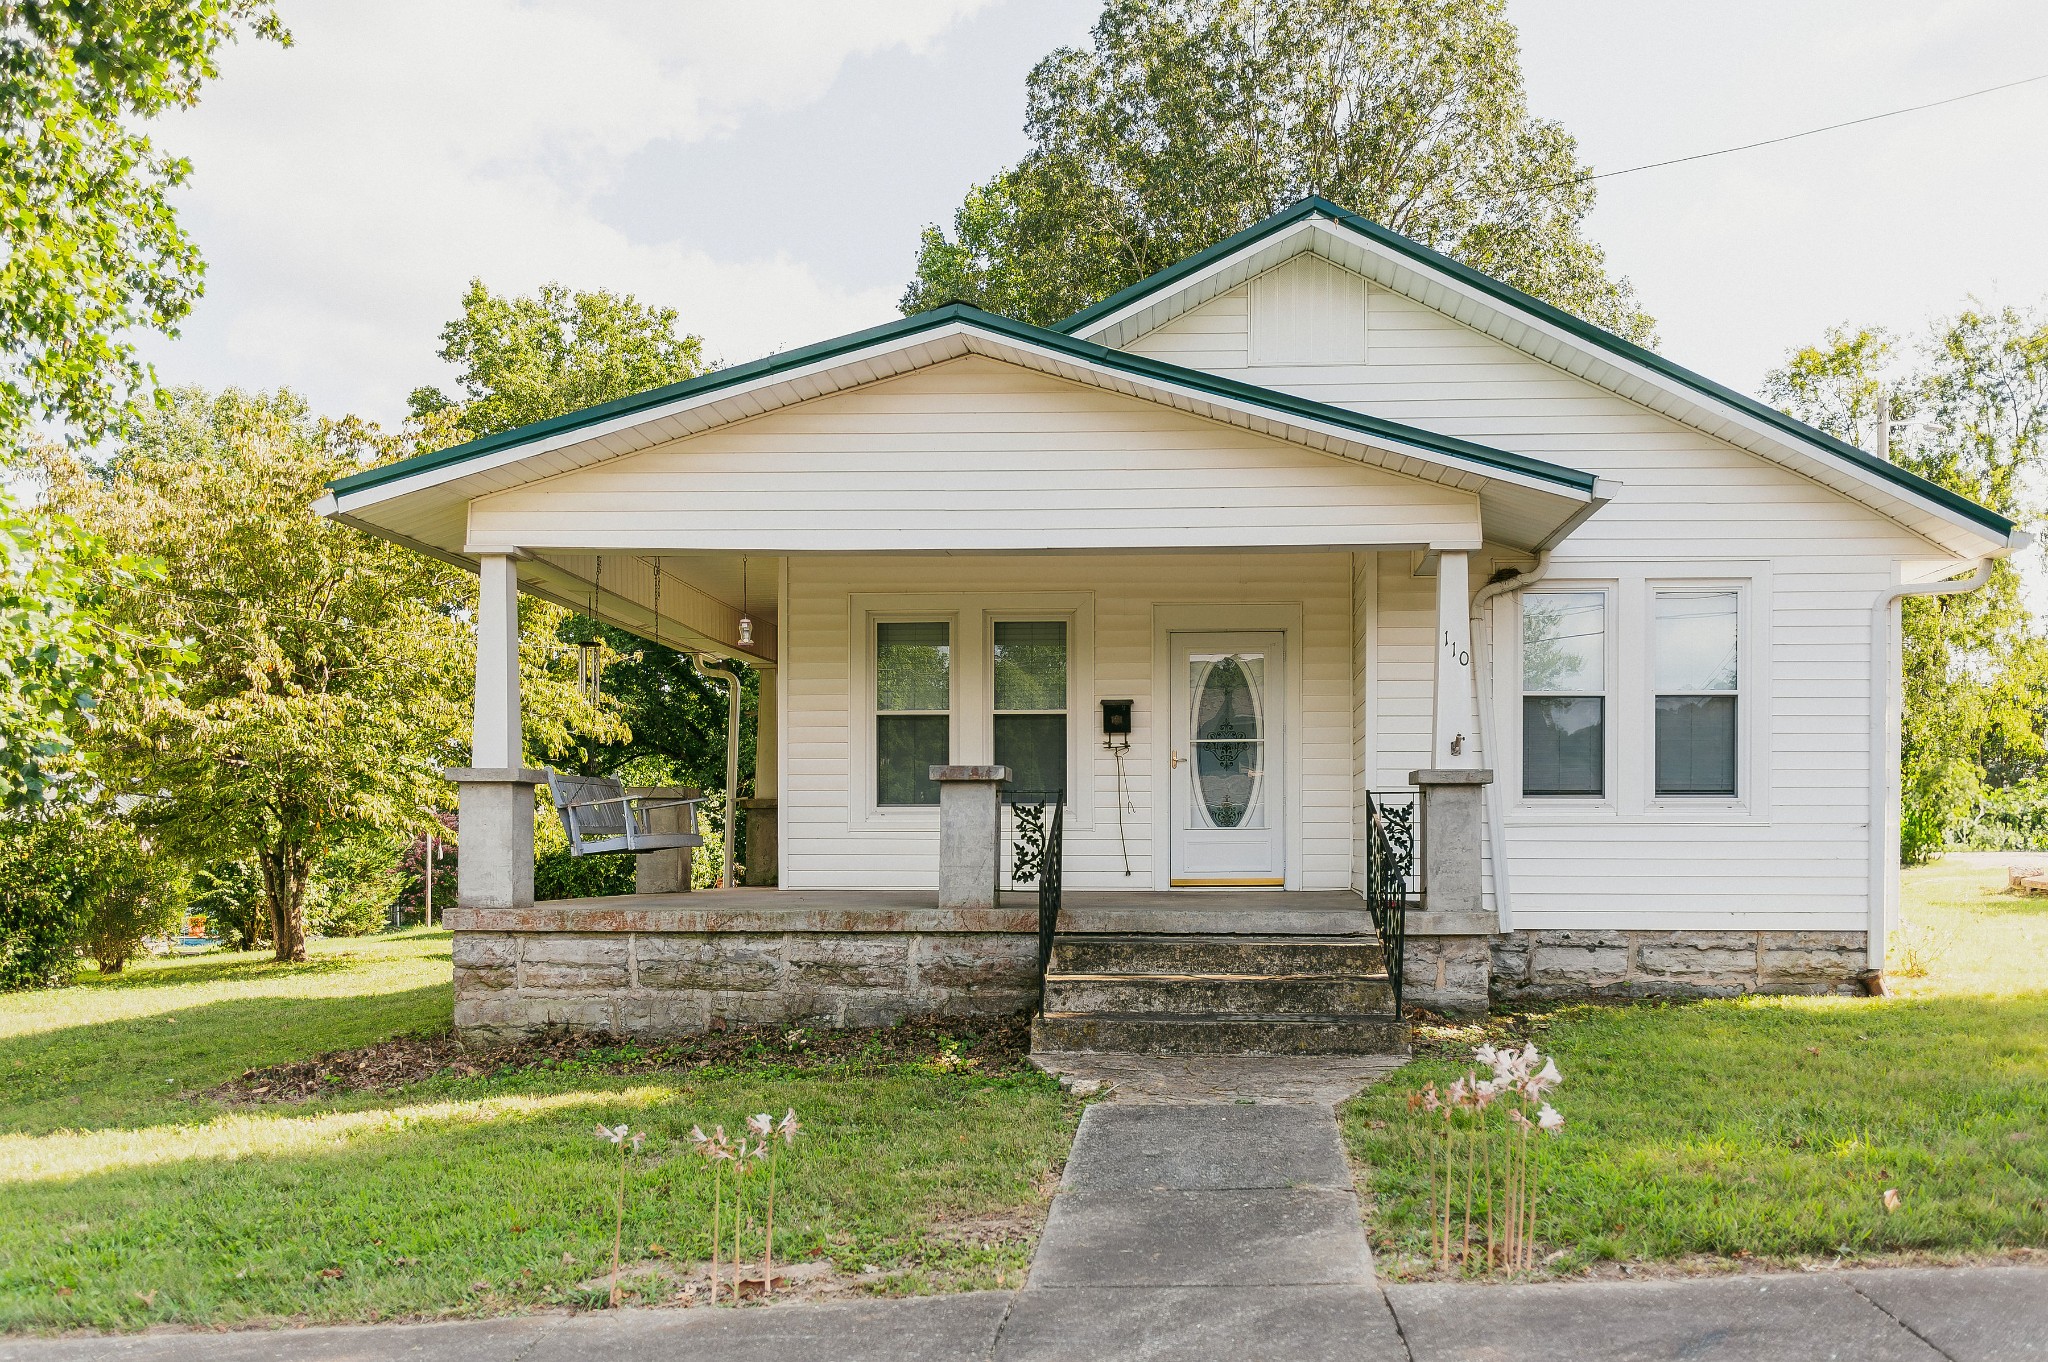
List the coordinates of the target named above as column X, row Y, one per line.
column 1884, row 424
column 428, row 862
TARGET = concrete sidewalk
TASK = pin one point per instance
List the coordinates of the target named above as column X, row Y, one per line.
column 1997, row 1314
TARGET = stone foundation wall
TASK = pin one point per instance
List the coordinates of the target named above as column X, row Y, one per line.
column 655, row 984
column 1459, row 973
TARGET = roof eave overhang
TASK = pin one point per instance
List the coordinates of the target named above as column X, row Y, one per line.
column 1946, row 520
column 1543, row 495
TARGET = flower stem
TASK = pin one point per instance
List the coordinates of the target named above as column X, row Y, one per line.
column 619, row 1225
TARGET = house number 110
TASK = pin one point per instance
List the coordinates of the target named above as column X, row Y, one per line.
column 1463, row 656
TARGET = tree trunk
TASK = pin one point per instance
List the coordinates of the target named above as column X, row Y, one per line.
column 284, row 892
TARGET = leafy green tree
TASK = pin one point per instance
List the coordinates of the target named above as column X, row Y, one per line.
column 59, row 650
column 523, row 360
column 331, row 672
column 95, row 251
column 1968, row 407
column 1189, row 120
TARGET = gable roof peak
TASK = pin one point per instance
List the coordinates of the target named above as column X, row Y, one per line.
column 1617, row 363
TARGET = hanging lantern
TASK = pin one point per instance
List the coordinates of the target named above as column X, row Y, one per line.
column 746, row 624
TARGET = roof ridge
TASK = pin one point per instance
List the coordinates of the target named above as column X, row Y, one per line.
column 1467, row 451
column 1317, row 206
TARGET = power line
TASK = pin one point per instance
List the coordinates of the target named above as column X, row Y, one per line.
column 1810, row 132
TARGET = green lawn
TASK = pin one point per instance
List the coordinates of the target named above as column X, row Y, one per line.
column 128, row 1198
column 1771, row 1127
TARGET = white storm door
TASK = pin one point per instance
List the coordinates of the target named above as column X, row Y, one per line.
column 1228, row 751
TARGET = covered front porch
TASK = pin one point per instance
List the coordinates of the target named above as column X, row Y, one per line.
column 1202, row 619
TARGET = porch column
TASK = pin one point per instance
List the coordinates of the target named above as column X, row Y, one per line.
column 1450, row 787
column 763, row 825
column 496, row 828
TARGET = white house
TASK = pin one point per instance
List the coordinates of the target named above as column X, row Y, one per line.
column 1327, row 509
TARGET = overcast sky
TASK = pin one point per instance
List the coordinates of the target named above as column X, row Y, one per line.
column 765, row 168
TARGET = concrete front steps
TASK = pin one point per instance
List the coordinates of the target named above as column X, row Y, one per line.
column 1217, row 995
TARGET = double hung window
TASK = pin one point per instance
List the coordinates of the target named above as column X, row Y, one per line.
column 1030, row 666
column 1697, row 674
column 1564, row 693
column 913, row 709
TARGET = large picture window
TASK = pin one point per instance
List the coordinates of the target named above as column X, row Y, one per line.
column 1697, row 673
column 1564, row 693
column 1030, row 666
column 913, row 709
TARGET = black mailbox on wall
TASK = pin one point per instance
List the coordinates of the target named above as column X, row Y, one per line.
column 1116, row 718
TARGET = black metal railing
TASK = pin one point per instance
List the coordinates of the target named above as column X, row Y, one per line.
column 1036, row 847
column 1390, row 876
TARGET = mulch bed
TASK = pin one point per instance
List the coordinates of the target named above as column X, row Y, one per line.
column 976, row 1045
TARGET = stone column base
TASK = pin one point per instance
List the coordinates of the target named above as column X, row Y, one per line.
column 495, row 836
column 763, row 827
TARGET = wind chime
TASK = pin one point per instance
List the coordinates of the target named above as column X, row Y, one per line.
column 590, row 654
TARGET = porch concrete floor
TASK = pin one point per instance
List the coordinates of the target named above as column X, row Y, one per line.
column 1237, row 912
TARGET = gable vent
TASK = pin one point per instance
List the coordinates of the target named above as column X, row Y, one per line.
column 1308, row 311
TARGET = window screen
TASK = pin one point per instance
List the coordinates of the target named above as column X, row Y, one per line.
column 1030, row 665
column 913, row 709
column 1697, row 670
column 1564, row 693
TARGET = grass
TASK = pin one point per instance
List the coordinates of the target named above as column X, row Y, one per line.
column 129, row 1197
column 1770, row 1128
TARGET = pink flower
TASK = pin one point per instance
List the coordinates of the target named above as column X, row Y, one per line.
column 1549, row 1119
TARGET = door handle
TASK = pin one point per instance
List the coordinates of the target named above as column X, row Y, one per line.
column 1175, row 758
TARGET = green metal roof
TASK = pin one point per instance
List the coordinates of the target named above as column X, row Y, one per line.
column 1481, row 457
column 1556, row 316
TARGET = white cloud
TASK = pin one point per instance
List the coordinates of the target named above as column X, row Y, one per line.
column 353, row 183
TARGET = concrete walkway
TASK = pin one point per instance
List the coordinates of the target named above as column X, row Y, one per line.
column 1224, row 1229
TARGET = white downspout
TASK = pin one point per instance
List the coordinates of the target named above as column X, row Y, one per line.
column 1885, row 717
column 732, row 755
column 1489, row 795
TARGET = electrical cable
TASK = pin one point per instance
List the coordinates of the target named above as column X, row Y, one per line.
column 1795, row 136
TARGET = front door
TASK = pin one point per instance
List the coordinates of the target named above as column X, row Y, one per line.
column 1228, row 750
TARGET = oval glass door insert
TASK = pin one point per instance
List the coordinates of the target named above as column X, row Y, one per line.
column 1229, row 738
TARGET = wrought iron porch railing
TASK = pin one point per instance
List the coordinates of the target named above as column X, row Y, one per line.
column 1036, row 847
column 1390, row 876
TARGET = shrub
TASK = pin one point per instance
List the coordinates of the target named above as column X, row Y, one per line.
column 558, row 875
column 132, row 891
column 43, row 859
column 230, row 893
column 2008, row 818
column 354, row 886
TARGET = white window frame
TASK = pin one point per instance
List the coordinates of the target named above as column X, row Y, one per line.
column 971, row 733
column 1632, row 696
column 1610, row 710
column 871, row 712
column 1747, row 740
column 990, row 620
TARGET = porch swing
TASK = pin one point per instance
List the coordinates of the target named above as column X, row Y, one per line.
column 598, row 815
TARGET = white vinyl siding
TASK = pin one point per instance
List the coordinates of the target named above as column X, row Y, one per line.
column 828, row 843
column 1688, row 507
column 975, row 454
